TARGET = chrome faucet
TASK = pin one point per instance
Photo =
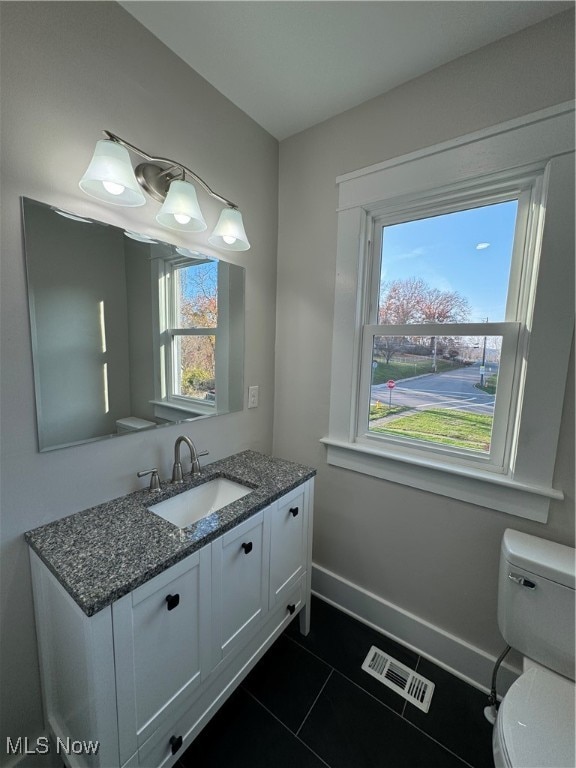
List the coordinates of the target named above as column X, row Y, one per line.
column 194, row 457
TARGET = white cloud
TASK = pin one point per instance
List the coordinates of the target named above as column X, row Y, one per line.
column 482, row 246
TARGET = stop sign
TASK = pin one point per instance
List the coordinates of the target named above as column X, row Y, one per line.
column 391, row 384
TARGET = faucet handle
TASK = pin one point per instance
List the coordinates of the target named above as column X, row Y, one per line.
column 154, row 479
column 203, row 453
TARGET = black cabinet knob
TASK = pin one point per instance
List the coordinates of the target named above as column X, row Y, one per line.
column 172, row 601
column 175, row 743
column 247, row 547
column 291, row 608
column 294, row 511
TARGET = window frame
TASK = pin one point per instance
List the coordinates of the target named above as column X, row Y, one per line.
column 166, row 358
column 532, row 155
column 526, row 189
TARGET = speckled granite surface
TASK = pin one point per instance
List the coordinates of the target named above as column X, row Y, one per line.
column 104, row 552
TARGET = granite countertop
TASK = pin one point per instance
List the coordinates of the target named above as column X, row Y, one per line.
column 102, row 553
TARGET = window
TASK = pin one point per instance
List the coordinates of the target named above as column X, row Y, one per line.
column 439, row 351
column 455, row 285
column 190, row 338
column 193, row 311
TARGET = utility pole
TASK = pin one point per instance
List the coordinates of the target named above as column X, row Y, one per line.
column 483, row 363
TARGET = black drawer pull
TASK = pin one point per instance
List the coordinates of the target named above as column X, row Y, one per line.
column 175, row 743
column 291, row 608
column 172, row 601
column 247, row 547
column 294, row 511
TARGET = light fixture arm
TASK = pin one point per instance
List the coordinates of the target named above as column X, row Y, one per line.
column 156, row 180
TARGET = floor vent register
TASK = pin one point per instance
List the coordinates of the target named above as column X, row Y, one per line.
column 411, row 686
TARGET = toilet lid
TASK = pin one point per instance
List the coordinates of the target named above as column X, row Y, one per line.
column 536, row 721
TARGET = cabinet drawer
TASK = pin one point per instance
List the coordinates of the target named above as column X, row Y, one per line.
column 292, row 601
column 239, row 584
column 288, row 543
column 168, row 744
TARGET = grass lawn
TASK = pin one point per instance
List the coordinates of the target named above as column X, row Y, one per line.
column 402, row 370
column 380, row 410
column 489, row 385
column 441, row 425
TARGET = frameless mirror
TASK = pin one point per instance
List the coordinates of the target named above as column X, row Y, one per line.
column 127, row 333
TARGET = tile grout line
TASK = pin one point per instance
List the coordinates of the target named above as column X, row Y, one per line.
column 376, row 699
column 303, row 647
column 315, row 700
column 348, row 678
column 360, row 687
column 406, row 700
column 286, row 727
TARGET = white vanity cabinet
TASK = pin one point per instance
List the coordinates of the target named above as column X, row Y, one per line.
column 144, row 675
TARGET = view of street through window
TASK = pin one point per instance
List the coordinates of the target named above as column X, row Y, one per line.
column 447, row 269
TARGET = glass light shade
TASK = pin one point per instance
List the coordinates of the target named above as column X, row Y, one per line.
column 110, row 176
column 138, row 236
column 229, row 232
column 187, row 252
column 71, row 216
column 180, row 209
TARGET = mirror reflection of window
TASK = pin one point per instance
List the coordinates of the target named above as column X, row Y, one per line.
column 194, row 345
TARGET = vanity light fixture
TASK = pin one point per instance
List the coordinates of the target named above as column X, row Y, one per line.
column 111, row 178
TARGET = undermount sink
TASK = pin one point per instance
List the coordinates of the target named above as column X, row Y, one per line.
column 190, row 506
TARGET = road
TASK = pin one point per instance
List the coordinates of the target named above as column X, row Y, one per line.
column 451, row 390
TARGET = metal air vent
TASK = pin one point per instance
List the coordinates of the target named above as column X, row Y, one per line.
column 411, row 686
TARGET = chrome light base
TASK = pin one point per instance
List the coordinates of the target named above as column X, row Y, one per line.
column 156, row 180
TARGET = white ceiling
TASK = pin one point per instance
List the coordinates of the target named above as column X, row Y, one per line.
column 290, row 65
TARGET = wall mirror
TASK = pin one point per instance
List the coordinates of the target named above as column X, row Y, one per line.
column 127, row 333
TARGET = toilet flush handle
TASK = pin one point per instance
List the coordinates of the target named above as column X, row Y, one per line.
column 521, row 580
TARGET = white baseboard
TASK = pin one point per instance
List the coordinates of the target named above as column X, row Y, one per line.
column 462, row 659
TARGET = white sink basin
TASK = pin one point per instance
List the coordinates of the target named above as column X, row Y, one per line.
column 190, row 506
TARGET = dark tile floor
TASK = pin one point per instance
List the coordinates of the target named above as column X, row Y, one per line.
column 308, row 704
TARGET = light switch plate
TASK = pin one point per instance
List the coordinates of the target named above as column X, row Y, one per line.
column 252, row 397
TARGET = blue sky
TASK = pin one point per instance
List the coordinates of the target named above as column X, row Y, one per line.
column 467, row 251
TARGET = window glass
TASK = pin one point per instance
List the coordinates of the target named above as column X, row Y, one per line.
column 197, row 296
column 452, row 267
column 435, row 389
column 195, row 374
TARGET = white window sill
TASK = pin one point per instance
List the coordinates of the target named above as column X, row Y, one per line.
column 167, row 409
column 484, row 488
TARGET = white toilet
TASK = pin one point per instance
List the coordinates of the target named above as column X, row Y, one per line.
column 535, row 725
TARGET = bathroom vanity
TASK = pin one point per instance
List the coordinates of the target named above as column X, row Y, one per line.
column 145, row 628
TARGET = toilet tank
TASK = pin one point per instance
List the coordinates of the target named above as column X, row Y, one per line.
column 536, row 599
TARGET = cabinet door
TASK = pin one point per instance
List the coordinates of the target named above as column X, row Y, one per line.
column 161, row 631
column 239, row 584
column 288, row 542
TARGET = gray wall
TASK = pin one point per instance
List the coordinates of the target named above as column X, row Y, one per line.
column 429, row 555
column 68, row 71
